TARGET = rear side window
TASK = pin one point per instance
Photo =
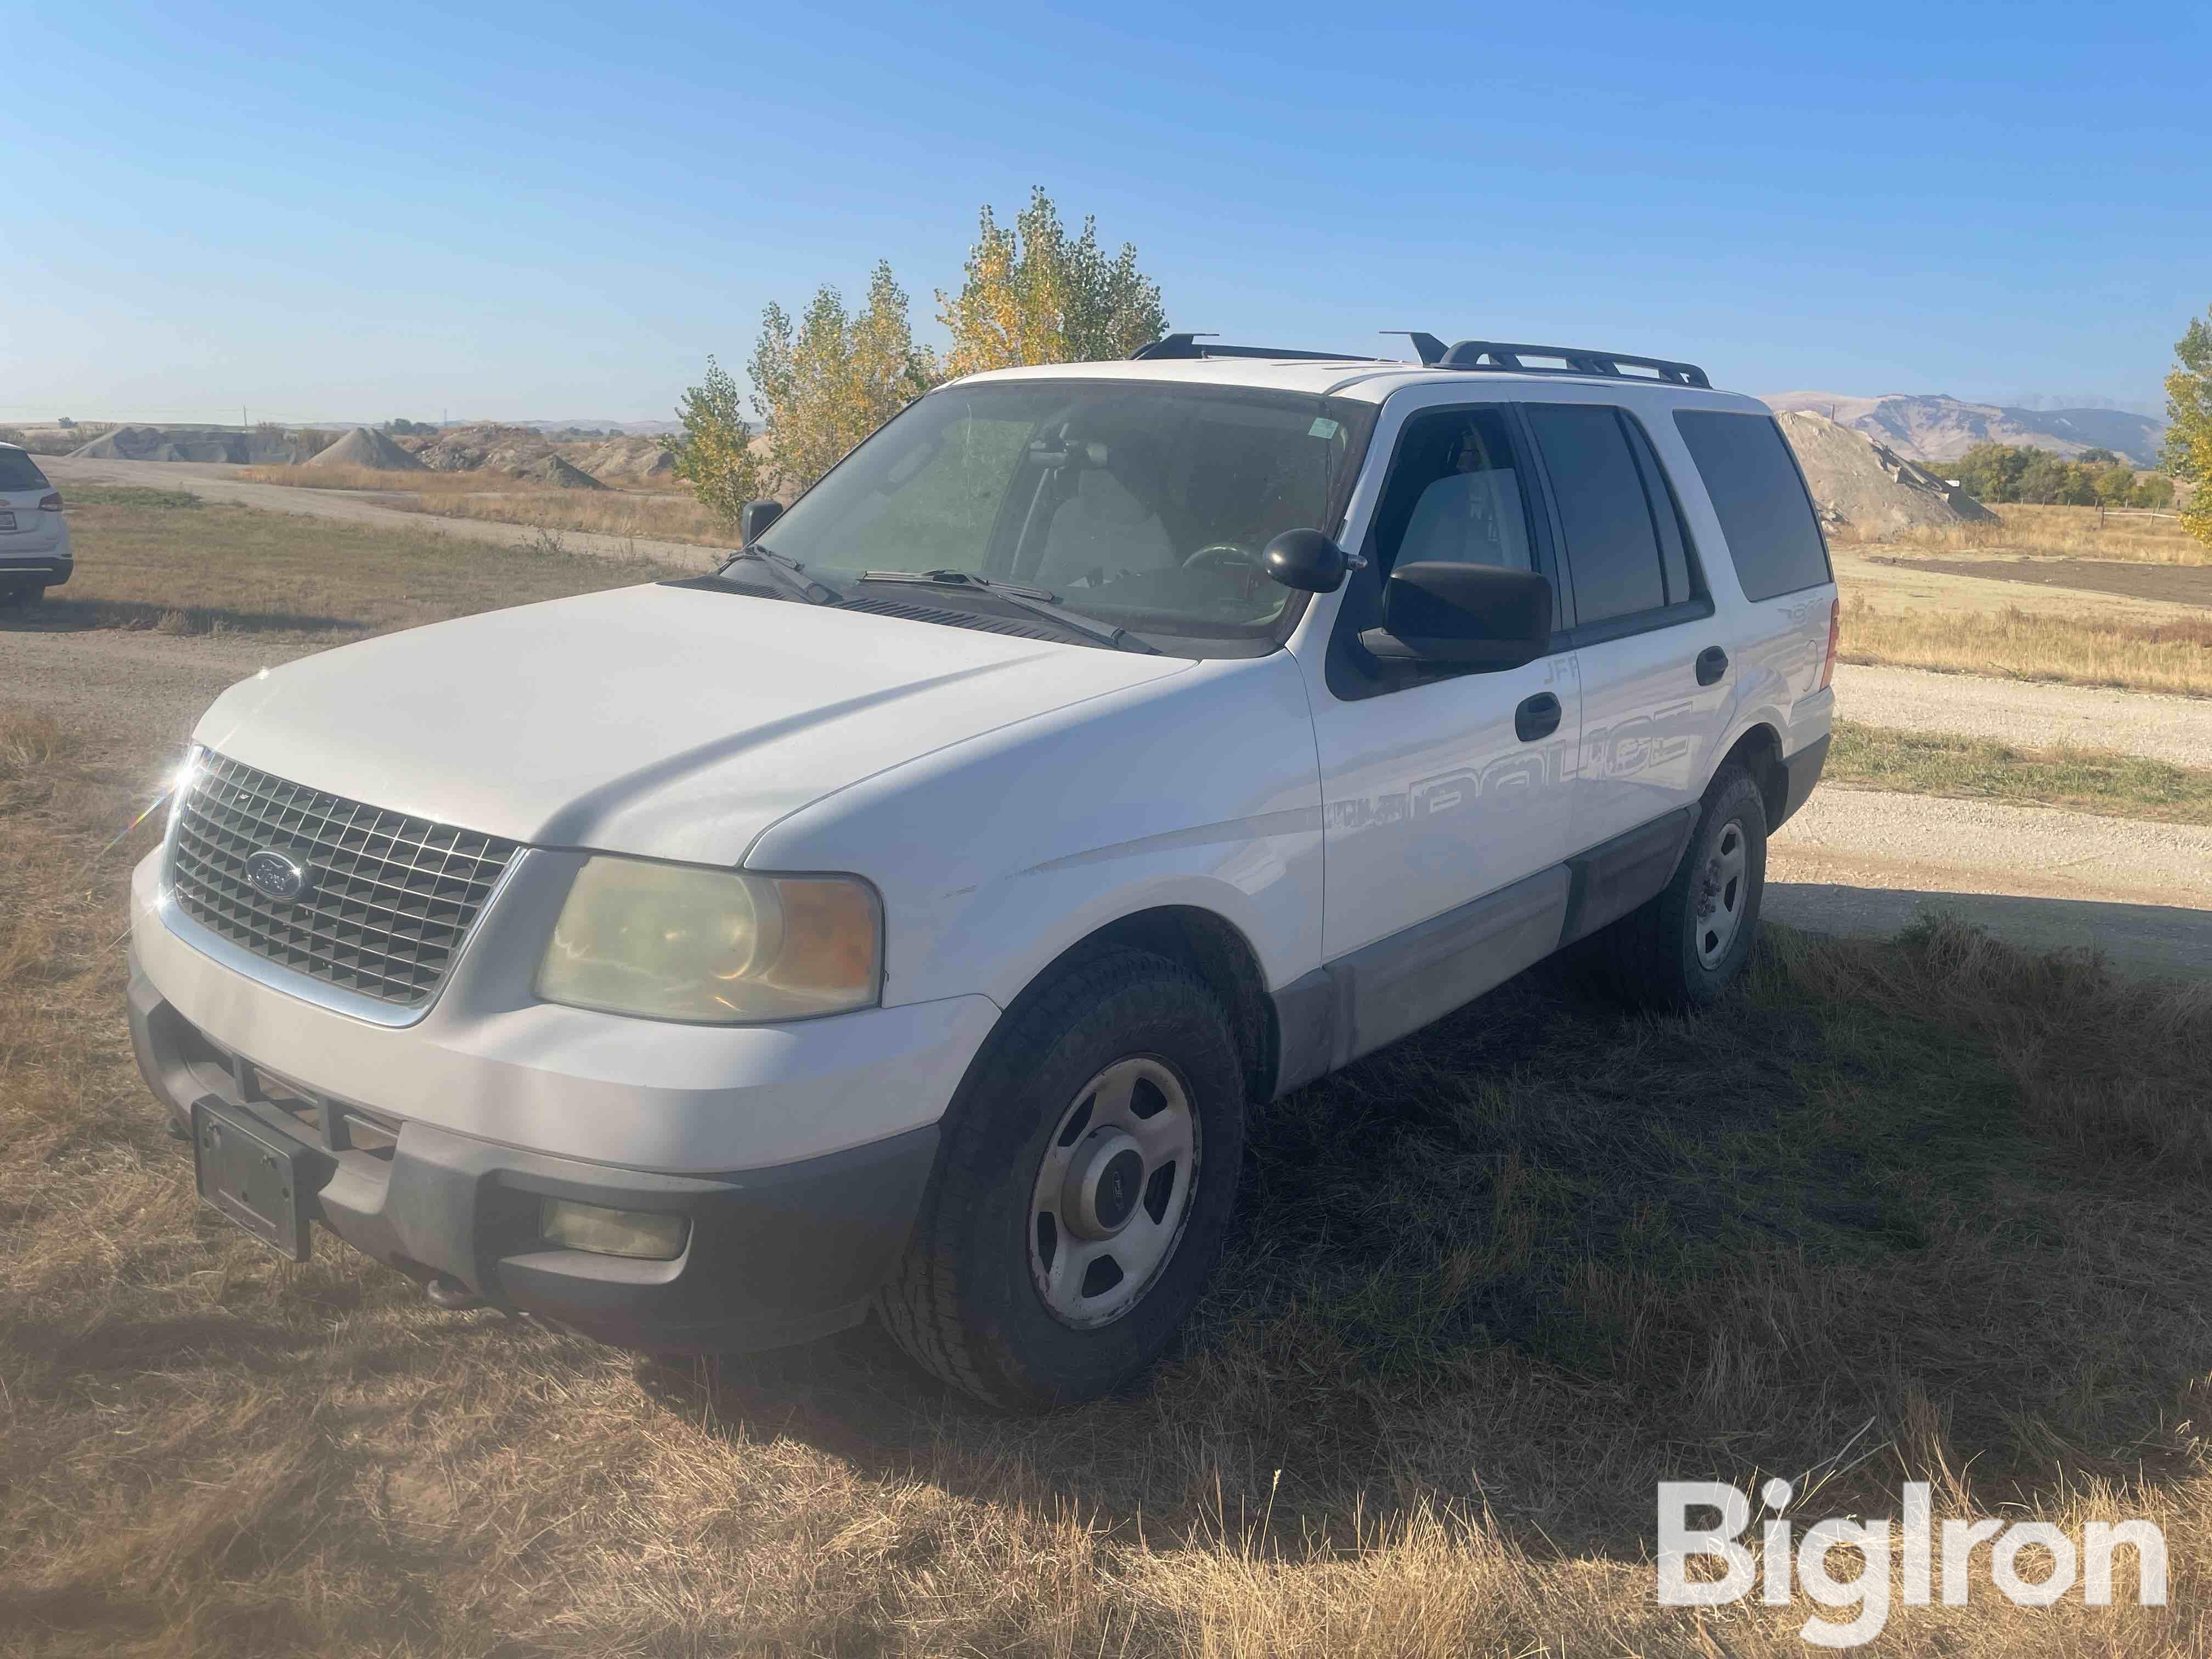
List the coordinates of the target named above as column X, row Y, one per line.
column 1606, row 511
column 19, row 471
column 1758, row 495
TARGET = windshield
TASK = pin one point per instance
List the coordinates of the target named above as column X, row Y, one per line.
column 1144, row 505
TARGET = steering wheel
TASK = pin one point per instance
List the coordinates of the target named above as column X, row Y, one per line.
column 1222, row 556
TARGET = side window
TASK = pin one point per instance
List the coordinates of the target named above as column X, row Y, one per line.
column 1758, row 495
column 1677, row 560
column 1605, row 513
column 1458, row 493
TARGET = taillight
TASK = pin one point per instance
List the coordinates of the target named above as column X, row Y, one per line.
column 51, row 503
column 1835, row 634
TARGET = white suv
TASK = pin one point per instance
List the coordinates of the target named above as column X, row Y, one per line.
column 908, row 915
column 35, row 539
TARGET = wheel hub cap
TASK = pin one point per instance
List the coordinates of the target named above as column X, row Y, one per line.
column 1113, row 1192
column 1719, row 912
column 1102, row 1185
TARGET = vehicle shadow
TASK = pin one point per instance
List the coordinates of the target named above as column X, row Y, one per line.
column 1526, row 1264
column 2158, row 938
column 57, row 615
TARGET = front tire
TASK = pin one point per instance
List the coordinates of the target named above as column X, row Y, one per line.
column 1682, row 949
column 1083, row 1192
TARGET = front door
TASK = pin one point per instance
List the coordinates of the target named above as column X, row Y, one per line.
column 1440, row 787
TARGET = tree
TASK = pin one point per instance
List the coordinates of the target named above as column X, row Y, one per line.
column 1034, row 294
column 714, row 455
column 823, row 385
column 2189, row 424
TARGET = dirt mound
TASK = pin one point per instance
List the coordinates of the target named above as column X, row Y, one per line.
column 552, row 469
column 264, row 446
column 623, row 460
column 472, row 448
column 374, row 450
column 1867, row 490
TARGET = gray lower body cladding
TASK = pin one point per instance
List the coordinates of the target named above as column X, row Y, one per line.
column 1383, row 991
column 41, row 569
column 772, row 1256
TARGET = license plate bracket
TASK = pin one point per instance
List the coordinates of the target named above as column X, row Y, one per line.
column 6, row 519
column 253, row 1176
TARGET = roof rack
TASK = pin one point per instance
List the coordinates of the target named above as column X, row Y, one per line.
column 1497, row 356
column 1493, row 356
column 1186, row 346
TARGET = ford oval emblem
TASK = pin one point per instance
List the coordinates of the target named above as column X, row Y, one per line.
column 278, row 873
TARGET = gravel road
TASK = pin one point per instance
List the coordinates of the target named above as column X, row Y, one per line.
column 1867, row 860
column 211, row 481
column 2178, row 730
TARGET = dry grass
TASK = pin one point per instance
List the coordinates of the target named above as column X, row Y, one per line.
column 653, row 515
column 177, row 567
column 2074, row 532
column 1975, row 769
column 1489, row 1287
column 2015, row 644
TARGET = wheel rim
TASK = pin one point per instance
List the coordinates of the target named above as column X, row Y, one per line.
column 1723, row 889
column 1112, row 1194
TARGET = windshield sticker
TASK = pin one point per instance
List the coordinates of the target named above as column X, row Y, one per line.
column 1321, row 428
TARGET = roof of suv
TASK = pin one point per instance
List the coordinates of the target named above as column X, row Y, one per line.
column 1367, row 381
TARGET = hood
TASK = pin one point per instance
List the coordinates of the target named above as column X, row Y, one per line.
column 669, row 722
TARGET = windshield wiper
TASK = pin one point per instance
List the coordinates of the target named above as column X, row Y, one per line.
column 1037, row 601
column 791, row 574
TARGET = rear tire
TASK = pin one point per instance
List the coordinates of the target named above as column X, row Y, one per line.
column 23, row 595
column 1083, row 1190
column 1682, row 949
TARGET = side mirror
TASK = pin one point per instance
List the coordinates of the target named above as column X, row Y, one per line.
column 1479, row 617
column 755, row 517
column 1308, row 560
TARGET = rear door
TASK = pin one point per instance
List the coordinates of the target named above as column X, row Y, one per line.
column 1655, row 667
column 1780, row 557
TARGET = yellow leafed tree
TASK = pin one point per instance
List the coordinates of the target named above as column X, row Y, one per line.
column 1034, row 295
column 825, row 383
column 714, row 454
column 2189, row 424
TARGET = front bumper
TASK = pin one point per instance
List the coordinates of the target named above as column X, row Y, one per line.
column 774, row 1255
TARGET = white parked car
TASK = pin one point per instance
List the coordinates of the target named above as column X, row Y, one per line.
column 34, row 540
column 908, row 915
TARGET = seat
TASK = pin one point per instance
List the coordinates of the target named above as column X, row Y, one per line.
column 1101, row 526
column 1469, row 518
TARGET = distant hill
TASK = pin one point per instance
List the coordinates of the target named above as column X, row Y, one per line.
column 612, row 428
column 1933, row 427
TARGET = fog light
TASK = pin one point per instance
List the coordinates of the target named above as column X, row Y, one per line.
column 613, row 1232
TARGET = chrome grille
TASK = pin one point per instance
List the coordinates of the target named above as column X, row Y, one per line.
column 392, row 895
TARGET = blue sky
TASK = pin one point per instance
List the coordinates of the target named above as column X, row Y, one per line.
column 371, row 210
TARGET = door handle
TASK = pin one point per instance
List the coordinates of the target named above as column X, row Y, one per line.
column 1712, row 663
column 1536, row 717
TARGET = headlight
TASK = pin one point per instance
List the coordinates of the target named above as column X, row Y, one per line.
column 672, row 941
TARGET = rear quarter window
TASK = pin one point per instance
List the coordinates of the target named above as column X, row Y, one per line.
column 19, row 471
column 1758, row 495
